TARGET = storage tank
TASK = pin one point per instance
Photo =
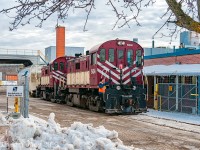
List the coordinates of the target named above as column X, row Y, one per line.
column 60, row 41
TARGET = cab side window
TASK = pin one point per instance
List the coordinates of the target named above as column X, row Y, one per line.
column 61, row 66
column 102, row 55
column 77, row 66
column 46, row 71
column 93, row 59
column 111, row 55
column 55, row 66
column 50, row 68
column 138, row 58
column 130, row 57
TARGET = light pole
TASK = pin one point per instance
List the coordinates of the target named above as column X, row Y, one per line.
column 26, row 96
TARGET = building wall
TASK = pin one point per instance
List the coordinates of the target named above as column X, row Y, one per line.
column 155, row 51
column 8, row 70
column 184, row 38
column 50, row 52
column 189, row 38
column 186, row 59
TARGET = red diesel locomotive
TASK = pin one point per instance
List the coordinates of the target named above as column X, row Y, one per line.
column 74, row 80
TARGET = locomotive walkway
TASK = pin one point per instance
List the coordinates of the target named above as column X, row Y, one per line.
column 21, row 56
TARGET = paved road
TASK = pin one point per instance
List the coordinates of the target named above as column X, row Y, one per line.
column 132, row 130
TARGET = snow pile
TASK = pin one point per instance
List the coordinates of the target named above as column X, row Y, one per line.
column 3, row 123
column 32, row 134
column 2, row 119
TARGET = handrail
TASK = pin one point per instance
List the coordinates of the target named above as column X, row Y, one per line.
column 18, row 51
column 4, row 51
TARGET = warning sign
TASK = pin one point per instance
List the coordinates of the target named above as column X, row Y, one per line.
column 15, row 91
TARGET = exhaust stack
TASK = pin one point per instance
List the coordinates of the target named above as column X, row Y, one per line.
column 60, row 41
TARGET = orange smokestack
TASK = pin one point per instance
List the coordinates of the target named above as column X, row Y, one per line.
column 60, row 41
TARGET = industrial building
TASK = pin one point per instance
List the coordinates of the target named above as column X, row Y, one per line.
column 50, row 52
column 173, row 77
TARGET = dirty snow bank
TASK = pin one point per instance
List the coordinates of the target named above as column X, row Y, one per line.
column 33, row 134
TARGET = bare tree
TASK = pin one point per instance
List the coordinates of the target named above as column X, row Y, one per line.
column 198, row 6
column 189, row 18
column 183, row 13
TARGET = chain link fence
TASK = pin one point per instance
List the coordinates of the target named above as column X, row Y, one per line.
column 186, row 94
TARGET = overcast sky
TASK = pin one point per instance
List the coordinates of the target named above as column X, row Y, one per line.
column 99, row 26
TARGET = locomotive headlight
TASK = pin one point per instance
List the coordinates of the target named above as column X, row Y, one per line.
column 121, row 43
column 134, row 88
column 118, row 87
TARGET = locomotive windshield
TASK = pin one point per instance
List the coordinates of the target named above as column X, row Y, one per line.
column 130, row 57
column 120, row 54
column 138, row 58
column 111, row 56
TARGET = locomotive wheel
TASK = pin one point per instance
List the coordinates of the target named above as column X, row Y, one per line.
column 48, row 97
column 68, row 100
column 53, row 100
column 94, row 107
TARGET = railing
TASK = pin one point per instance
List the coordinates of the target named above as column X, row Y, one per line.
column 19, row 51
column 30, row 52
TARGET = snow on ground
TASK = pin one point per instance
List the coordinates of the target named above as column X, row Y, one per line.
column 181, row 121
column 34, row 133
column 180, row 117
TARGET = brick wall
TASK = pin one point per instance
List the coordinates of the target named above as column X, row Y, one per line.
column 187, row 59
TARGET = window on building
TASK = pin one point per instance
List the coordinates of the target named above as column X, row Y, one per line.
column 93, row 59
column 188, row 79
column 55, row 66
column 138, row 58
column 172, row 79
column 130, row 57
column 102, row 55
column 66, row 65
column 120, row 54
column 61, row 66
column 111, row 55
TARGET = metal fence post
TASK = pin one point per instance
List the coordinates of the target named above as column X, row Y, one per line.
column 198, row 111
column 176, row 92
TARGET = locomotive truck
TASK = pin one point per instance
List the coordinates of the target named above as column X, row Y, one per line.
column 74, row 79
